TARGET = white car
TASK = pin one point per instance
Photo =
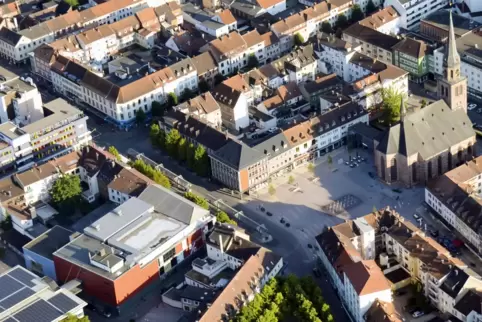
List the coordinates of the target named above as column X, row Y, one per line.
column 418, row 314
column 471, row 106
column 417, row 217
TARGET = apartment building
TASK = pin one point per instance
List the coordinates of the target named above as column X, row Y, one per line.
column 206, row 67
column 401, row 247
column 62, row 129
column 370, row 76
column 129, row 265
column 286, row 102
column 322, row 88
column 414, row 56
column 213, row 23
column 470, row 60
column 16, row 46
column 386, row 20
column 308, row 21
column 413, row 11
column 234, row 265
column 203, row 107
column 232, row 51
column 334, row 55
column 20, row 101
column 436, row 26
column 374, row 44
column 298, row 66
column 248, row 9
column 234, row 103
column 455, row 196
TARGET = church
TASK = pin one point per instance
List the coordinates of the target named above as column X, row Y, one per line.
column 433, row 140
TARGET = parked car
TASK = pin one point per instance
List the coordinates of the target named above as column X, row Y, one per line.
column 471, row 106
column 418, row 314
column 282, row 220
column 417, row 217
column 287, row 224
column 316, row 272
column 434, row 233
column 269, row 213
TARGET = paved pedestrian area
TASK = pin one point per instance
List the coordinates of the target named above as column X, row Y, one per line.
column 330, row 194
column 341, row 205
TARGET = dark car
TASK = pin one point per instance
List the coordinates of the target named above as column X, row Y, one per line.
column 434, row 233
column 288, row 224
column 310, row 246
column 269, row 213
column 316, row 272
column 282, row 220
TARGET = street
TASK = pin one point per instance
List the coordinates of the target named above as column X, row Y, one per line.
column 286, row 241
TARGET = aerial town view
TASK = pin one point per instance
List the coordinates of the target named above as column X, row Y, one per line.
column 241, row 160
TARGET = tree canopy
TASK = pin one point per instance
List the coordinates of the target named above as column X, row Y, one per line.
column 299, row 40
column 140, row 116
column 198, row 200
column 172, row 141
column 223, row 217
column 391, row 100
column 356, row 13
column 201, row 161
column 252, row 61
column 326, row 27
column 153, row 174
column 285, row 299
column 73, row 318
column 370, row 8
column 112, row 150
column 66, row 190
column 172, row 99
column 341, row 22
column 157, row 109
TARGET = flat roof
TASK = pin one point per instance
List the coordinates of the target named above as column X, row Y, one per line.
column 7, row 74
column 49, row 242
column 60, row 109
column 117, row 219
column 10, row 130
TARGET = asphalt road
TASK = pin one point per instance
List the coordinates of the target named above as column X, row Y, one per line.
column 284, row 240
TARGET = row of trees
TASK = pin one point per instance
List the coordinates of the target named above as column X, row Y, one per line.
column 221, row 216
column 195, row 157
column 153, row 174
column 285, row 299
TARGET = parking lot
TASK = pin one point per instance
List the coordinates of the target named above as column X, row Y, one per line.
column 305, row 203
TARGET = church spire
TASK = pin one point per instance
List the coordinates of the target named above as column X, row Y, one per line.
column 402, row 109
column 452, row 58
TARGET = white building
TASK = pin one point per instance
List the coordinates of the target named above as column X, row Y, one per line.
column 455, row 196
column 470, row 61
column 412, row 11
column 214, row 24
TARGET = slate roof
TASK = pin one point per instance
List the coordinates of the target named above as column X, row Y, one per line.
column 455, row 281
column 412, row 47
column 238, row 155
column 371, row 36
column 10, row 37
column 428, row 131
column 172, row 205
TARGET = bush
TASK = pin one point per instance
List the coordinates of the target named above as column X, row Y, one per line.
column 153, row 174
column 200, row 201
column 223, row 217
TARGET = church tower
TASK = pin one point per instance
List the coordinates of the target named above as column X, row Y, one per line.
column 452, row 87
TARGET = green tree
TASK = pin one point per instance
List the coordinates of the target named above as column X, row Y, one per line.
column 72, row 3
column 112, row 150
column 157, row 109
column 201, row 161
column 6, row 224
column 172, row 100
column 73, row 318
column 187, row 94
column 299, row 40
column 154, row 133
column 371, row 8
column 140, row 116
column 190, row 156
column 271, row 190
column 341, row 22
column 424, row 103
column 329, row 159
column 66, row 191
column 356, row 13
column 223, row 217
column 391, row 100
column 291, row 180
column 182, row 150
column 172, row 143
column 203, row 86
column 218, row 79
column 200, row 201
column 161, row 139
column 252, row 61
column 326, row 27
column 153, row 174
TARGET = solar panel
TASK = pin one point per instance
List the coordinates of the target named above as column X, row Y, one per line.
column 17, row 297
column 63, row 302
column 40, row 311
column 22, row 276
column 8, row 286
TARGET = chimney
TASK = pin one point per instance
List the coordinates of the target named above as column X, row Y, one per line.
column 221, row 243
column 33, row 212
